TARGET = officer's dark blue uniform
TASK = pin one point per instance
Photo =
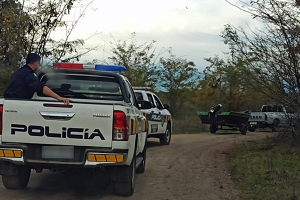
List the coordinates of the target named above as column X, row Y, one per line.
column 23, row 84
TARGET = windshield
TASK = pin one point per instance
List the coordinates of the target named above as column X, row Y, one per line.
column 84, row 87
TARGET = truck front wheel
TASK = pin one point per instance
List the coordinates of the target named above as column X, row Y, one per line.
column 18, row 181
column 165, row 139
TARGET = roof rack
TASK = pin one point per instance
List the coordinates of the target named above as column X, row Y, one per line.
column 142, row 88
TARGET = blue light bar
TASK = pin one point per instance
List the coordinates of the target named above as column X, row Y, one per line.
column 111, row 68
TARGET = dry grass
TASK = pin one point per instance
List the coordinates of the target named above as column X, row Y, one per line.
column 264, row 171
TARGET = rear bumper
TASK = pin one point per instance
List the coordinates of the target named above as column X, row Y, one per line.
column 258, row 124
column 31, row 154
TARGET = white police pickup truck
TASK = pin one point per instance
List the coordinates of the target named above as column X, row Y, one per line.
column 159, row 118
column 102, row 127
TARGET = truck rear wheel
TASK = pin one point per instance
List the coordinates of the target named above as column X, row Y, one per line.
column 251, row 128
column 165, row 139
column 274, row 125
column 126, row 188
column 19, row 181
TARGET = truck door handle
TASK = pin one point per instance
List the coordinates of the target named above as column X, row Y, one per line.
column 57, row 115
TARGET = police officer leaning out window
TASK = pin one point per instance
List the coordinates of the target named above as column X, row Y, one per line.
column 24, row 83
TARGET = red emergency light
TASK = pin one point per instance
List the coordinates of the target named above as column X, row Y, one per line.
column 68, row 66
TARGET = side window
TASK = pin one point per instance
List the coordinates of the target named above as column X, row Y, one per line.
column 158, row 103
column 151, row 99
column 132, row 95
column 139, row 96
column 274, row 109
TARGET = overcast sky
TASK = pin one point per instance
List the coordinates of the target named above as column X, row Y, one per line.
column 190, row 27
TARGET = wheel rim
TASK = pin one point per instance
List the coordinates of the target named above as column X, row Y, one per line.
column 143, row 162
column 167, row 135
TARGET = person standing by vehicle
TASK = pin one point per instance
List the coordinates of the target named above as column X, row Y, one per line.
column 24, row 82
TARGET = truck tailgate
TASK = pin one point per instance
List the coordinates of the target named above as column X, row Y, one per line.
column 54, row 123
column 257, row 117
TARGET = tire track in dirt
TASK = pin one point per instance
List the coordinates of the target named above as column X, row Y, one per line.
column 192, row 167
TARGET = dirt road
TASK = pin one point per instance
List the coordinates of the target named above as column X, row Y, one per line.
column 192, row 167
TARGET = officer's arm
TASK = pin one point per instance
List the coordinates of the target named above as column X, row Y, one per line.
column 47, row 91
column 34, row 83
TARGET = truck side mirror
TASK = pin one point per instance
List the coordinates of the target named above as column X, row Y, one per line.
column 145, row 104
column 166, row 106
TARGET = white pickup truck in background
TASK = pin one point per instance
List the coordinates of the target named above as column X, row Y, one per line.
column 103, row 127
column 271, row 116
column 159, row 118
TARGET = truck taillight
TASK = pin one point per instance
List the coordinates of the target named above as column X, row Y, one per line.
column 120, row 131
column 266, row 117
column 1, row 118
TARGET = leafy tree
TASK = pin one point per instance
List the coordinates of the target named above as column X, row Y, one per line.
column 224, row 82
column 47, row 17
column 12, row 33
column 178, row 77
column 272, row 53
column 139, row 59
column 28, row 28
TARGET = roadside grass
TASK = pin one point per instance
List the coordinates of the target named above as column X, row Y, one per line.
column 263, row 170
column 189, row 125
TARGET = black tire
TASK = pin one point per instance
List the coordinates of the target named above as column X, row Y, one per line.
column 19, row 181
column 251, row 129
column 213, row 128
column 243, row 129
column 274, row 126
column 126, row 188
column 141, row 168
column 165, row 139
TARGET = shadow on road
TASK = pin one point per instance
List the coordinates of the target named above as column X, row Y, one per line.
column 235, row 132
column 81, row 185
column 226, row 133
column 153, row 143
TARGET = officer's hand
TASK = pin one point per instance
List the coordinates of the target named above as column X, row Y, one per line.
column 65, row 100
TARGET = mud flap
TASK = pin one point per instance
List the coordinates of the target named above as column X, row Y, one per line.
column 123, row 173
